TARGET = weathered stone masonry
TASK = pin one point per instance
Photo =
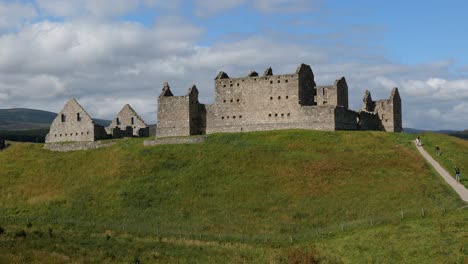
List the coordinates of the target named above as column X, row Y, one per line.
column 271, row 102
column 73, row 124
column 128, row 123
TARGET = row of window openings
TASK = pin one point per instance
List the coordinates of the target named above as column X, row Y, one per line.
column 71, row 134
column 233, row 117
column 282, row 115
column 238, row 100
column 279, row 97
column 271, row 82
column 119, row 121
column 64, row 117
column 271, row 98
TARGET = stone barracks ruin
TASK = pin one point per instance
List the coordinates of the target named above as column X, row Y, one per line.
column 271, row 102
column 74, row 124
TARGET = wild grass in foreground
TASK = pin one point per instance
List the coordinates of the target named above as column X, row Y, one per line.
column 270, row 195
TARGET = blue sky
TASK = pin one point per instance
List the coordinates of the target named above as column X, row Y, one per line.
column 110, row 52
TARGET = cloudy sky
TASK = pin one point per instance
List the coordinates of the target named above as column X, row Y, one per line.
column 107, row 53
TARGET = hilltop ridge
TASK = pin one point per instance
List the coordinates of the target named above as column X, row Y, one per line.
column 27, row 119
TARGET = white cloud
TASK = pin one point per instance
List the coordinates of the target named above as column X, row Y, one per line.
column 15, row 13
column 83, row 8
column 437, row 88
column 106, row 63
column 287, row 6
column 205, row 8
column 214, row 7
column 461, row 108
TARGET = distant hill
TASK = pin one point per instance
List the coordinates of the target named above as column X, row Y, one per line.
column 460, row 134
column 28, row 119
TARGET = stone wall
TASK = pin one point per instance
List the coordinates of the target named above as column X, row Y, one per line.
column 175, row 140
column 197, row 113
column 66, row 147
column 389, row 112
column 336, row 94
column 256, row 103
column 307, row 85
column 268, row 102
column 342, row 92
column 173, row 115
column 128, row 123
column 345, row 119
column 74, row 124
column 368, row 121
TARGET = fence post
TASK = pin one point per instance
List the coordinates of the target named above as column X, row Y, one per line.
column 342, row 227
column 422, row 212
column 402, row 214
column 290, row 239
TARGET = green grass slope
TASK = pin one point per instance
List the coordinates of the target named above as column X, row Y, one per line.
column 454, row 152
column 285, row 196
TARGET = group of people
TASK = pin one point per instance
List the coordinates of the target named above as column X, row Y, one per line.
column 439, row 153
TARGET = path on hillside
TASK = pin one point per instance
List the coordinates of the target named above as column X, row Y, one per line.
column 459, row 188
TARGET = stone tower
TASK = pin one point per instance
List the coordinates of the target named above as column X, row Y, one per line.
column 74, row 124
column 387, row 110
column 180, row 115
column 128, row 123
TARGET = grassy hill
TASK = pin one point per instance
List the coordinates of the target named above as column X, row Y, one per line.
column 30, row 119
column 25, row 119
column 263, row 197
column 454, row 152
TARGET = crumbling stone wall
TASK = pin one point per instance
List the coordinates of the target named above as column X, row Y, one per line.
column 368, row 121
column 345, row 119
column 251, row 103
column 267, row 102
column 74, row 124
column 128, row 123
column 387, row 110
column 336, row 94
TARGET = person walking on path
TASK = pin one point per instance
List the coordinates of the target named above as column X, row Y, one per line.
column 418, row 142
column 457, row 174
column 437, row 149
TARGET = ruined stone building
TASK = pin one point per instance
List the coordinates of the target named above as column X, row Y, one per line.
column 74, row 124
column 128, row 123
column 271, row 102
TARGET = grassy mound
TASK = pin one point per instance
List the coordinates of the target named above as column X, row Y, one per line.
column 454, row 152
column 240, row 197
